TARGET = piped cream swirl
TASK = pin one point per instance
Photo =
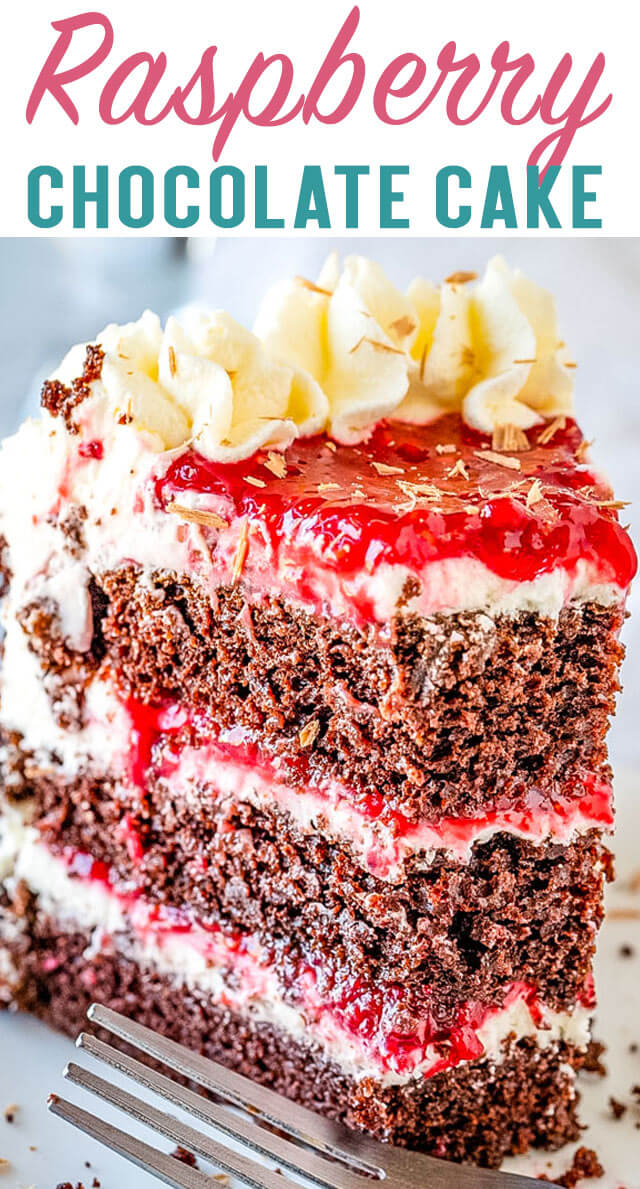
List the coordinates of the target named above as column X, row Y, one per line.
column 487, row 347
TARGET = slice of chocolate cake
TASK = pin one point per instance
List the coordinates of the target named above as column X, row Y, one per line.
column 311, row 644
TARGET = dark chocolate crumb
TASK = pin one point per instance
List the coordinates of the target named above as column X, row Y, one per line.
column 618, row 1109
column 184, row 1156
column 585, row 1165
column 633, row 1047
column 627, row 951
column 592, row 1062
column 61, row 400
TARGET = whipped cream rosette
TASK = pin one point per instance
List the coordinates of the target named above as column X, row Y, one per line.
column 488, row 348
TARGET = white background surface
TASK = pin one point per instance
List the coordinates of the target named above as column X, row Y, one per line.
column 53, row 293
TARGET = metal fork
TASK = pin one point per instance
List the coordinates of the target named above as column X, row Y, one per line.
column 304, row 1143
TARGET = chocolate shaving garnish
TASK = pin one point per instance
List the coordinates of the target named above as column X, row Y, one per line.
column 377, row 345
column 446, row 448
column 254, row 482
column 551, row 430
column 331, row 445
column 309, row 733
column 534, row 494
column 460, row 278
column 383, row 468
column 501, row 460
column 329, row 487
column 198, row 516
column 583, row 448
column 458, row 469
column 61, row 400
column 403, row 326
column 241, row 553
column 414, row 490
column 306, row 284
column 509, row 438
column 275, row 463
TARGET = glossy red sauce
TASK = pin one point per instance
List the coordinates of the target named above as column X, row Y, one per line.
column 367, row 519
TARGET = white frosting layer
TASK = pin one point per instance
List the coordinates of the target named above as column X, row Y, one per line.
column 204, row 961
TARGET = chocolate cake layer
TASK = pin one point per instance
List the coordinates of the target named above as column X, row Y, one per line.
column 477, row 1112
column 516, row 911
column 451, row 714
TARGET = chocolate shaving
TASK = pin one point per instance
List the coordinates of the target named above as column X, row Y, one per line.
column 377, row 345
column 460, row 278
column 254, row 482
column 414, row 490
column 306, row 284
column 275, row 463
column 241, row 553
column 458, row 469
column 551, row 430
column 534, row 494
column 403, row 326
column 509, row 438
column 384, row 469
column 583, row 449
column 501, row 460
column 198, row 516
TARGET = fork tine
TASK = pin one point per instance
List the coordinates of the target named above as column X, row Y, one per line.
column 296, row 1120
column 170, row 1170
column 397, row 1166
column 275, row 1147
column 180, row 1133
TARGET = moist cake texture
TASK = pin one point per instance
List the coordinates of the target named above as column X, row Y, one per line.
column 311, row 646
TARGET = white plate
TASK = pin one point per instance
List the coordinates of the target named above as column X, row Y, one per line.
column 43, row 1150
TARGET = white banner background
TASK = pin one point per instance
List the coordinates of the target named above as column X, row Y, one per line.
column 305, row 31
